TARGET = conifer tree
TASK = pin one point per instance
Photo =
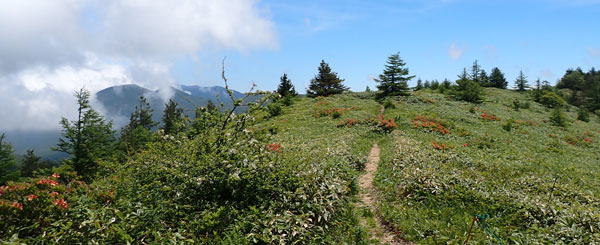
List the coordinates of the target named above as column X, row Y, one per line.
column 497, row 79
column 7, row 162
column 521, row 83
column 32, row 162
column 138, row 132
column 394, row 80
column 467, row 89
column 427, row 84
column 88, row 139
column 475, row 75
column 537, row 93
column 484, row 80
column 286, row 88
column 368, row 89
column 173, row 121
column 445, row 86
column 419, row 85
column 325, row 82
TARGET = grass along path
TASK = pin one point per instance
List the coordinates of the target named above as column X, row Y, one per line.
column 368, row 195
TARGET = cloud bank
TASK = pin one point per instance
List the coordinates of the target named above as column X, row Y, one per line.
column 49, row 49
column 455, row 52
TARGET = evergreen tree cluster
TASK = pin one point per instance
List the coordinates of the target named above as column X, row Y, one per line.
column 583, row 88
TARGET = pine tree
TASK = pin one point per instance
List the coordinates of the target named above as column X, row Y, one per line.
column 419, row 85
column 173, row 121
column 368, row 90
column 475, row 75
column 7, row 162
column 286, row 88
column 325, row 83
column 484, row 80
column 467, row 89
column 394, row 80
column 497, row 79
column 537, row 93
column 445, row 86
column 88, row 139
column 32, row 162
column 521, row 83
column 435, row 84
column 427, row 84
column 138, row 132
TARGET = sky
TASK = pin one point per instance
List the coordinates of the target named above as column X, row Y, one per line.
column 48, row 49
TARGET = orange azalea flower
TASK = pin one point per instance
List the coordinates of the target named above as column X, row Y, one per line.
column 31, row 197
column 274, row 147
column 48, row 182
column 55, row 175
column 61, row 203
column 17, row 205
column 53, row 194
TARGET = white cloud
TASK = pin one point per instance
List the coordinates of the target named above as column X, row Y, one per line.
column 455, row 52
column 48, row 49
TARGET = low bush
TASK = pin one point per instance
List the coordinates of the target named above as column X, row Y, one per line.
column 552, row 100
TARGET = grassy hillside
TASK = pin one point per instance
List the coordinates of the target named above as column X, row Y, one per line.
column 451, row 161
column 294, row 178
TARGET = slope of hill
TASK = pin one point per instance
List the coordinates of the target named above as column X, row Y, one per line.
column 448, row 171
column 450, row 162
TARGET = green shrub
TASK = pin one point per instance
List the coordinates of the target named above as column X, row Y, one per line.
column 558, row 118
column 508, row 125
column 388, row 104
column 274, row 109
column 469, row 91
column 583, row 115
column 552, row 100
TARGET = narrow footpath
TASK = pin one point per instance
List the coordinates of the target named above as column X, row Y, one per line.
column 368, row 196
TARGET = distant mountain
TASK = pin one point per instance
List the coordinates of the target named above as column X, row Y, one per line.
column 119, row 102
column 215, row 93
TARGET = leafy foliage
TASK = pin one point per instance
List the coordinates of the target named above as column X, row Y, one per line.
column 7, row 162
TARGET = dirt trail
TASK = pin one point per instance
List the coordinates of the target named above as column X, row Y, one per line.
column 368, row 196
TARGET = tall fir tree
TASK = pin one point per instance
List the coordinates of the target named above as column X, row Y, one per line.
column 138, row 132
column 497, row 79
column 394, row 80
column 475, row 75
column 7, row 162
column 484, row 79
column 521, row 84
column 173, row 118
column 88, row 139
column 325, row 82
column 286, row 88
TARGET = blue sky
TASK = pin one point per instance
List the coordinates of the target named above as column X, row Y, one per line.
column 49, row 49
column 436, row 39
